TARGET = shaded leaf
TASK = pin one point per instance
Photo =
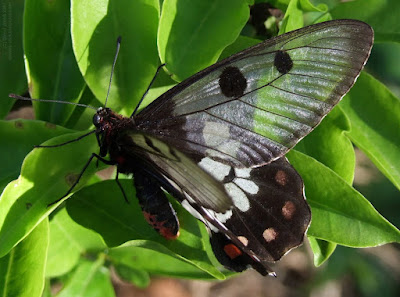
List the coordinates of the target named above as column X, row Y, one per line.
column 102, row 208
column 51, row 66
column 68, row 241
column 374, row 113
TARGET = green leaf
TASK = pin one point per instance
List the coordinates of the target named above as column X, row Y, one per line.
column 90, row 279
column 382, row 15
column 137, row 277
column 46, row 175
column 102, row 208
column 95, row 28
column 294, row 14
column 68, row 241
column 12, row 71
column 293, row 18
column 52, row 70
column 340, row 214
column 156, row 259
column 374, row 113
column 213, row 25
column 322, row 250
column 22, row 270
column 21, row 136
column 241, row 43
column 329, row 145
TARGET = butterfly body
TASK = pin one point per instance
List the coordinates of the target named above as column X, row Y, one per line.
column 216, row 141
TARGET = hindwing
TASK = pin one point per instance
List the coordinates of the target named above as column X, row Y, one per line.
column 260, row 211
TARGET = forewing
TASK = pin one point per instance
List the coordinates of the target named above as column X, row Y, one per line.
column 252, row 107
column 182, row 172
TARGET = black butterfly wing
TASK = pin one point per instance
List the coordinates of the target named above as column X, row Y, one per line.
column 252, row 107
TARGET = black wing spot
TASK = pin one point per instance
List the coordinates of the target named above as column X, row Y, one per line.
column 283, row 62
column 232, row 82
column 230, row 177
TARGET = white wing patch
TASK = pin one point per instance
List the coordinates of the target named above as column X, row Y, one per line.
column 223, row 217
column 214, row 168
column 239, row 198
column 235, row 188
column 247, row 185
column 212, row 132
column 243, row 172
column 215, row 135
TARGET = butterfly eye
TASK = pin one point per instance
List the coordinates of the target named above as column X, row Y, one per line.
column 97, row 119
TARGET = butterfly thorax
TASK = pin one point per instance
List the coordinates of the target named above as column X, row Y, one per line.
column 109, row 126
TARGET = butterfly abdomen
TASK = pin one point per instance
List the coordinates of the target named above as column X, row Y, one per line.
column 156, row 208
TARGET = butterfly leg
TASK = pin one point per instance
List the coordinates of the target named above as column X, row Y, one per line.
column 156, row 208
column 120, row 186
column 94, row 155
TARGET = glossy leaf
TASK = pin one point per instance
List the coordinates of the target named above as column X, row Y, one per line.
column 329, row 144
column 45, row 177
column 340, row 214
column 180, row 41
column 95, row 28
column 322, row 250
column 22, row 270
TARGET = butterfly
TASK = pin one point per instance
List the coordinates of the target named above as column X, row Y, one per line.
column 217, row 141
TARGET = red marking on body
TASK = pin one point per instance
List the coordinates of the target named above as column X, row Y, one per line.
column 120, row 160
column 232, row 251
column 165, row 232
column 168, row 234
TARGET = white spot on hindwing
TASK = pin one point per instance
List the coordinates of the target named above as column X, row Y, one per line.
column 270, row 234
column 236, row 189
column 243, row 240
column 223, row 217
column 239, row 198
column 243, row 172
column 214, row 168
column 247, row 185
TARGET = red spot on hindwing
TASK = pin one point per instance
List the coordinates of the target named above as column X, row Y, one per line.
column 232, row 251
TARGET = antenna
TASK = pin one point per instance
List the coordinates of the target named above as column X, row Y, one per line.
column 15, row 96
column 147, row 90
column 113, row 66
